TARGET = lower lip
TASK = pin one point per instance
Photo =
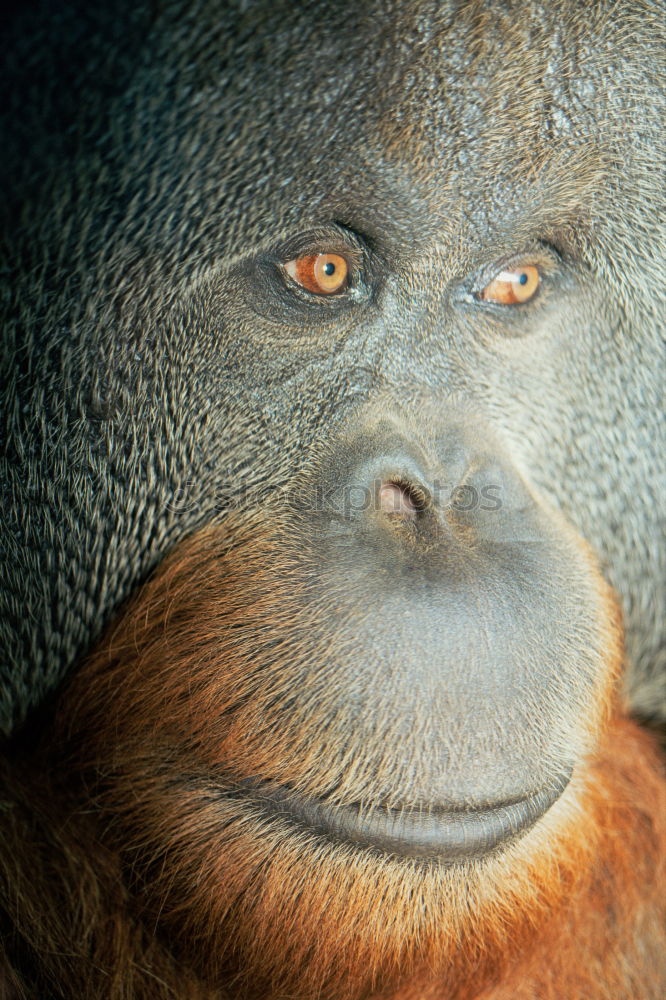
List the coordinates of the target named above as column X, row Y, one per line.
column 444, row 835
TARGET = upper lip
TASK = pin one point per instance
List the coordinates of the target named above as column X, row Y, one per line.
column 443, row 834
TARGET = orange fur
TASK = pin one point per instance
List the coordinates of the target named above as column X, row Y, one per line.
column 189, row 694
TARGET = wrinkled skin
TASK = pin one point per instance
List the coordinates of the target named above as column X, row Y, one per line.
column 166, row 375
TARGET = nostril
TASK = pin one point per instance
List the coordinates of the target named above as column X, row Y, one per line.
column 401, row 500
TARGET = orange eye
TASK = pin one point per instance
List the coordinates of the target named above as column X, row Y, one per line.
column 511, row 287
column 321, row 273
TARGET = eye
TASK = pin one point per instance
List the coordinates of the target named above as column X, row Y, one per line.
column 510, row 288
column 321, row 273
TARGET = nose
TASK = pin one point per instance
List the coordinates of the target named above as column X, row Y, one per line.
column 387, row 483
column 402, row 501
column 439, row 492
column 382, row 485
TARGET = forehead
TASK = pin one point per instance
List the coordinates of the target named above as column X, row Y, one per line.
column 415, row 74
column 406, row 107
column 233, row 124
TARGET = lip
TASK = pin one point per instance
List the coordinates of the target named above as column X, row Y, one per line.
column 448, row 835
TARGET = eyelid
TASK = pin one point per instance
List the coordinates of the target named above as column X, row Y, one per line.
column 540, row 255
column 323, row 240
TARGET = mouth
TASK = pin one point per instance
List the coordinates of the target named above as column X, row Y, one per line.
column 447, row 835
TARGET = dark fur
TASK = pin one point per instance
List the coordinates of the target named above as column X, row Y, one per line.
column 157, row 388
